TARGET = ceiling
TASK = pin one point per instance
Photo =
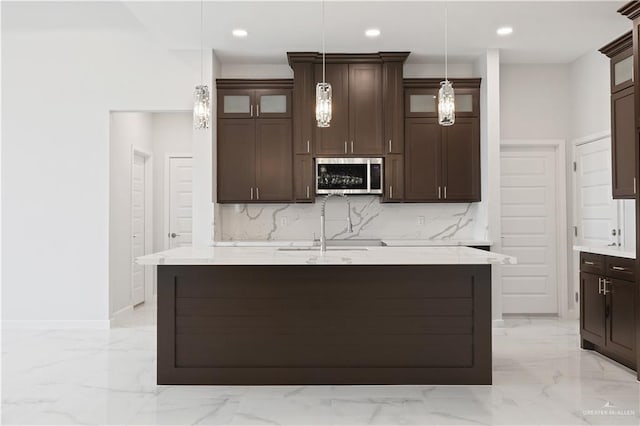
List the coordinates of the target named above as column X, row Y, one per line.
column 544, row 31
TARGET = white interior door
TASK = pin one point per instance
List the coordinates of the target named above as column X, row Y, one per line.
column 138, row 236
column 596, row 210
column 529, row 229
column 180, row 203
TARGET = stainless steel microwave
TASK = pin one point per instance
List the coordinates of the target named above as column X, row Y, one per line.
column 349, row 175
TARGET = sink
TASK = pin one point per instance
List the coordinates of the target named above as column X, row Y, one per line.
column 316, row 248
column 352, row 243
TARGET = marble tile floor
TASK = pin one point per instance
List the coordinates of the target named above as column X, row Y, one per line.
column 541, row 377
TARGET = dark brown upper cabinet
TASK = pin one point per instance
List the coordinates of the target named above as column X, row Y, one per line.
column 393, row 107
column 356, row 115
column 303, row 178
column 254, row 143
column 367, row 103
column 623, row 130
column 442, row 164
column 393, row 178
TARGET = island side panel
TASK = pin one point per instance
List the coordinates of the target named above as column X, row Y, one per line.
column 324, row 324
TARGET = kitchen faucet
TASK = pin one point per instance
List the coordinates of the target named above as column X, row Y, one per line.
column 323, row 236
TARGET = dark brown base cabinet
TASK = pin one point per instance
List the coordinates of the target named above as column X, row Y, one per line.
column 324, row 324
column 608, row 303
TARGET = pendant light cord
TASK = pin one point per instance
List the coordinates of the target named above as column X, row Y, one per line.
column 446, row 46
column 323, row 49
column 202, row 42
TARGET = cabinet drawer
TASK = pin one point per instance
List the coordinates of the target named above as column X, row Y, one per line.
column 593, row 263
column 620, row 267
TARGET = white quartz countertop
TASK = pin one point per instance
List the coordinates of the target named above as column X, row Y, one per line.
column 334, row 256
column 607, row 250
column 390, row 243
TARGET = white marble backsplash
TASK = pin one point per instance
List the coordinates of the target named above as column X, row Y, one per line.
column 371, row 219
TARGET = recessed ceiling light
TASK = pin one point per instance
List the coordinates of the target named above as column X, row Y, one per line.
column 504, row 31
column 239, row 32
column 372, row 32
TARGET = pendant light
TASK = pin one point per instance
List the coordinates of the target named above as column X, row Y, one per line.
column 201, row 106
column 323, row 90
column 446, row 97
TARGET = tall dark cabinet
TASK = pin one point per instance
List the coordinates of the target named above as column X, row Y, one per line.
column 254, row 141
column 623, row 134
column 442, row 164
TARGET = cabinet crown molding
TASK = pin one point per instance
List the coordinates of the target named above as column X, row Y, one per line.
column 631, row 10
column 336, row 58
column 434, row 83
column 619, row 45
column 245, row 83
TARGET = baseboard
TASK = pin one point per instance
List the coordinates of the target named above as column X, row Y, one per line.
column 118, row 317
column 55, row 324
column 497, row 323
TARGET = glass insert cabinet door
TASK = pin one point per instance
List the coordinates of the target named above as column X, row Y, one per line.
column 621, row 72
column 424, row 102
column 263, row 103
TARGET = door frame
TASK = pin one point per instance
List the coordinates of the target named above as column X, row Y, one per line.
column 562, row 225
column 575, row 271
column 148, row 219
column 167, row 194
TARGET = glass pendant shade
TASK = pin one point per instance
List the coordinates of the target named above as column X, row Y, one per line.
column 446, row 104
column 201, row 107
column 323, row 104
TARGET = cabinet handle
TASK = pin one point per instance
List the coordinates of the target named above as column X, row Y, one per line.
column 618, row 268
column 588, row 262
column 257, row 110
column 634, row 186
column 252, row 193
column 345, row 147
column 599, row 285
column 439, row 192
column 257, row 193
column 390, row 191
column 308, row 146
column 604, row 286
column 308, row 192
column 352, row 147
column 389, row 145
column 445, row 192
column 251, row 110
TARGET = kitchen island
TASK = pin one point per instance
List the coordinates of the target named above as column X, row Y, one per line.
column 353, row 315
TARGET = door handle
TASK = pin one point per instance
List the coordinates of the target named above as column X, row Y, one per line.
column 173, row 235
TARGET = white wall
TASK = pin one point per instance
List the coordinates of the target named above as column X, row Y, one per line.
column 171, row 134
column 534, row 101
column 128, row 131
column 590, row 110
column 59, row 86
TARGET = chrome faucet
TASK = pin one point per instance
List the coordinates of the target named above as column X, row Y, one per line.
column 323, row 236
